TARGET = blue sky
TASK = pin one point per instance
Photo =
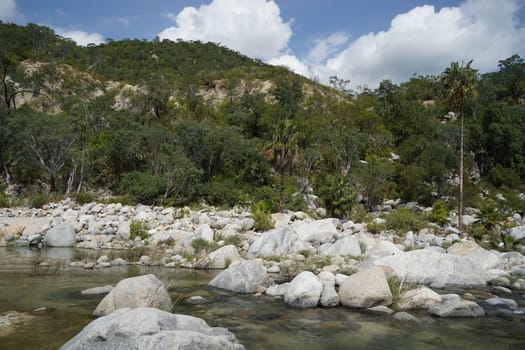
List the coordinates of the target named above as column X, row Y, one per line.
column 365, row 41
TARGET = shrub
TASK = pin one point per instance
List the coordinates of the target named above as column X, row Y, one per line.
column 200, row 244
column 38, row 200
column 142, row 187
column 233, row 240
column 338, row 195
column 439, row 212
column 83, row 198
column 222, row 192
column 404, row 220
column 5, row 201
column 261, row 216
column 138, row 229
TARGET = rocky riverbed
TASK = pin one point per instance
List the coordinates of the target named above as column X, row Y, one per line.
column 307, row 262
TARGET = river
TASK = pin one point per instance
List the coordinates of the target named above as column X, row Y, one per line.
column 261, row 322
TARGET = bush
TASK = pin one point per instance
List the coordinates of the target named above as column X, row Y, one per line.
column 83, row 198
column 38, row 200
column 261, row 213
column 200, row 244
column 138, row 229
column 439, row 212
column 404, row 220
column 222, row 192
column 5, row 201
column 338, row 195
column 143, row 187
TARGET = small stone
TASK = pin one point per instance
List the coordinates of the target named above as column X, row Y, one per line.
column 145, row 260
column 405, row 316
column 89, row 265
column 503, row 289
column 40, row 309
column 381, row 309
column 45, row 264
column 97, row 290
column 119, row 262
column 510, row 303
column 76, row 264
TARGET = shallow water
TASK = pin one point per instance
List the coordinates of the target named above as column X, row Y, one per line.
column 259, row 322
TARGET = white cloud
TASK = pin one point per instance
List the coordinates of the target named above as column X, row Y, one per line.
column 81, row 38
column 8, row 11
column 252, row 27
column 425, row 41
column 326, row 47
column 291, row 62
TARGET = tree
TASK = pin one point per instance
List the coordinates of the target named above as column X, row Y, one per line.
column 282, row 151
column 459, row 84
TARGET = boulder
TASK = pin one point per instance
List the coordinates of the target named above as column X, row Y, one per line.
column 97, row 290
column 204, row 232
column 244, row 277
column 329, row 297
column 381, row 249
column 346, row 246
column 431, row 268
column 502, row 302
column 405, row 317
column 148, row 329
column 304, row 291
column 277, row 289
column 317, row 231
column 453, row 305
column 220, row 258
column 280, row 219
column 280, row 241
column 518, row 232
column 419, row 298
column 134, row 292
column 470, row 249
column 366, row 288
column 62, row 235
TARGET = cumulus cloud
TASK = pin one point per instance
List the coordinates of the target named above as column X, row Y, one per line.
column 425, row 41
column 292, row 63
column 80, row 37
column 252, row 27
column 326, row 47
column 8, row 11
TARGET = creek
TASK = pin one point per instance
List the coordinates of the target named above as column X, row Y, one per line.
column 259, row 322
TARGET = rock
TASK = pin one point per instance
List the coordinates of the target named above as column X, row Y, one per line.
column 405, row 317
column 518, row 232
column 97, row 290
column 381, row 309
column 419, row 298
column 431, row 268
column 304, row 291
column 14, row 230
column 454, row 306
column 3, row 242
column 196, row 300
column 499, row 302
column 281, row 219
column 518, row 271
column 148, row 328
column 118, row 262
column 145, row 260
column 346, row 246
column 470, row 249
column 244, row 277
column 381, row 249
column 62, row 235
column 317, row 231
column 340, row 278
column 280, row 241
column 141, row 291
column 205, row 232
column 329, row 297
column 500, row 281
column 10, row 319
column 365, row 289
column 123, row 231
column 220, row 258
column 277, row 289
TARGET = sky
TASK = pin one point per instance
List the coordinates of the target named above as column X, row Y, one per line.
column 364, row 41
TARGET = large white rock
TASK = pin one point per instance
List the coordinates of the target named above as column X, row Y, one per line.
column 366, row 288
column 61, row 236
column 304, row 291
column 134, row 292
column 427, row 267
column 280, row 241
column 205, row 232
column 454, row 306
column 220, row 258
column 518, row 232
column 244, row 277
column 277, row 289
column 317, row 231
column 346, row 246
column 420, row 298
column 381, row 249
column 329, row 297
column 148, row 329
column 487, row 259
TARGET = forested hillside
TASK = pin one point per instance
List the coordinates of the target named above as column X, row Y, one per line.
column 176, row 123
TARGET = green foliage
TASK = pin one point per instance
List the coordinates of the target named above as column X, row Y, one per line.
column 5, row 201
column 261, row 215
column 488, row 216
column 142, row 187
column 305, row 252
column 38, row 200
column 337, row 194
column 138, row 229
column 396, row 287
column 404, row 220
column 233, row 240
column 439, row 213
column 83, row 197
column 200, row 244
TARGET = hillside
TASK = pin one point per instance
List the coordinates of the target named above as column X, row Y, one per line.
column 178, row 123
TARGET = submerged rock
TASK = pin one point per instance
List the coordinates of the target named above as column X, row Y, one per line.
column 134, row 292
column 454, row 306
column 149, row 328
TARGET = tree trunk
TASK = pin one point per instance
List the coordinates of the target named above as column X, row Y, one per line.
column 281, row 193
column 461, row 165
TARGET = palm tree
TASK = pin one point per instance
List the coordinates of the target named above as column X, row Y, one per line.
column 459, row 84
column 282, row 151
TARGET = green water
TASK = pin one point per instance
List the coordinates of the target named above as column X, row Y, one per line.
column 259, row 322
